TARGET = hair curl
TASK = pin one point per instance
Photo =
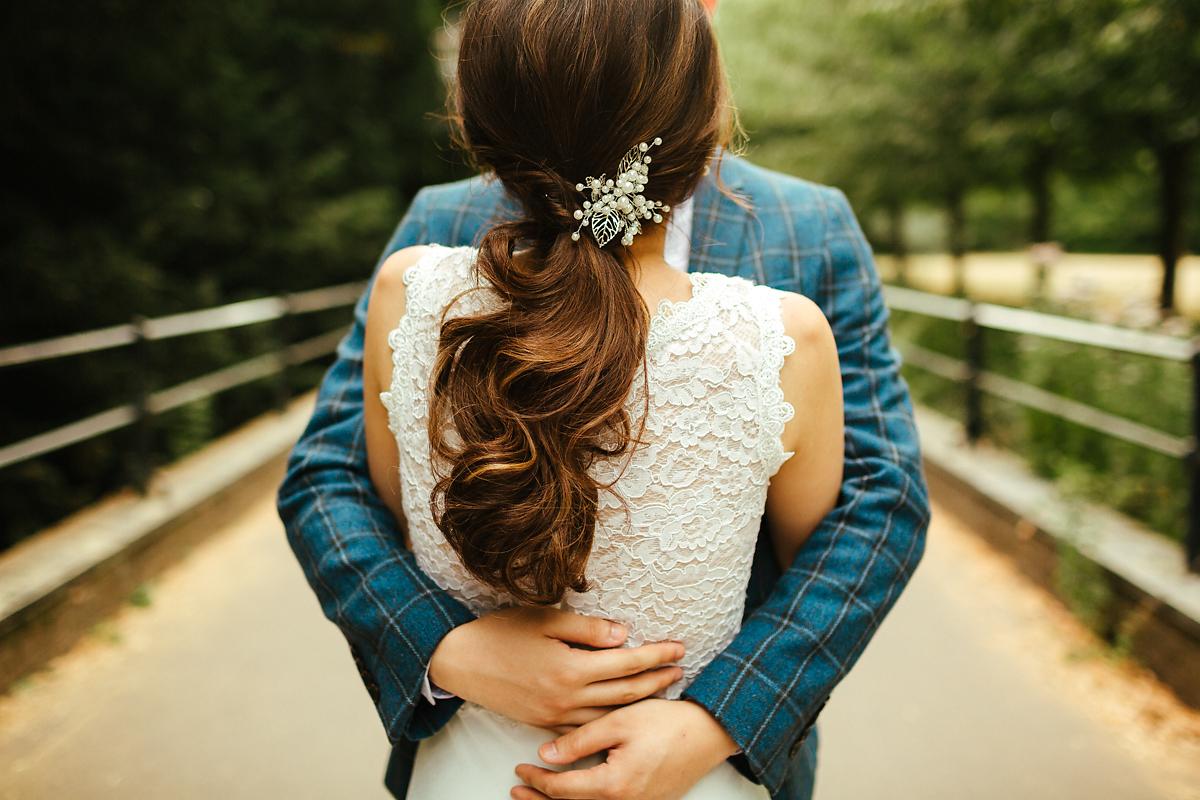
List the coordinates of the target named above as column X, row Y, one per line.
column 526, row 397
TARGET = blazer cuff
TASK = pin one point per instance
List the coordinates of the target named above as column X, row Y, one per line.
column 756, row 718
column 395, row 672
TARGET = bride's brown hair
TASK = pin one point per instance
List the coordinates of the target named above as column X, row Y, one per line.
column 526, row 397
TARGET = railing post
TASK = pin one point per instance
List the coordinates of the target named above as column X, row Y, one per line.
column 283, row 337
column 973, row 345
column 1192, row 543
column 141, row 458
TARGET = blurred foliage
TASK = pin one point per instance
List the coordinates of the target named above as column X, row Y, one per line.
column 1085, row 589
column 1019, row 122
column 162, row 157
column 1081, row 117
column 1083, row 463
column 171, row 156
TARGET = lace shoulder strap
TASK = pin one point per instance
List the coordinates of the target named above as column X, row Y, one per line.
column 774, row 346
column 435, row 279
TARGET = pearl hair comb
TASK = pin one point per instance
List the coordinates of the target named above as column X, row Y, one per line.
column 617, row 204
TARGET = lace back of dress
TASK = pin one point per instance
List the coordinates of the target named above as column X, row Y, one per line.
column 674, row 560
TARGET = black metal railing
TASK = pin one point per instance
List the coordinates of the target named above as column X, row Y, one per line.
column 147, row 404
column 977, row 318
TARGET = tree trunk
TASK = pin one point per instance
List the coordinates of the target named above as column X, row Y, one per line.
column 898, row 243
column 956, row 237
column 1038, row 175
column 1174, row 161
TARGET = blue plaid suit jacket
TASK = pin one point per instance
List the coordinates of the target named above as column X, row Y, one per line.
column 803, row 628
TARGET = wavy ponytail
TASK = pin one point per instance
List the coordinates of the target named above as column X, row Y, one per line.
column 533, row 393
column 525, row 398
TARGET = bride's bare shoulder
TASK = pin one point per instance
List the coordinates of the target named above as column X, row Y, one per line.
column 813, row 366
column 805, row 322
column 386, row 306
column 388, row 288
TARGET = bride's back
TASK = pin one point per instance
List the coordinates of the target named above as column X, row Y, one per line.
column 674, row 538
column 597, row 124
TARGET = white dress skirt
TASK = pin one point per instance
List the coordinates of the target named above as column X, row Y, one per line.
column 474, row 757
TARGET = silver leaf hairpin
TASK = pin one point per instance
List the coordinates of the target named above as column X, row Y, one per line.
column 617, row 204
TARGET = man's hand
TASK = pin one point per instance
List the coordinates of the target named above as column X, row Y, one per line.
column 518, row 662
column 657, row 750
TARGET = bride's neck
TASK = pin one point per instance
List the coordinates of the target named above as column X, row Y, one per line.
column 647, row 248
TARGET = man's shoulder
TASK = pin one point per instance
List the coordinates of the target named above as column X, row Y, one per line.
column 455, row 194
column 791, row 211
column 464, row 203
column 769, row 187
column 789, row 207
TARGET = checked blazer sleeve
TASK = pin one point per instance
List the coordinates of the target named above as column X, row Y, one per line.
column 351, row 549
column 768, row 686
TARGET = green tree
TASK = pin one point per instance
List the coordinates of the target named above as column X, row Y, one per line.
column 170, row 156
column 1148, row 55
column 895, row 100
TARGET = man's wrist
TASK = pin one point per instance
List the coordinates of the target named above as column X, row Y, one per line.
column 446, row 656
column 723, row 744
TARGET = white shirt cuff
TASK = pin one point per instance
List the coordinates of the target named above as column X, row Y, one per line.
column 432, row 693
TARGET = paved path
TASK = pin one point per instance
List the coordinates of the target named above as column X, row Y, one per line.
column 231, row 685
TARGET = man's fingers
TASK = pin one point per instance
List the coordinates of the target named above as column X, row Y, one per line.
column 578, row 629
column 583, row 741
column 623, row 691
column 574, row 784
column 603, row 665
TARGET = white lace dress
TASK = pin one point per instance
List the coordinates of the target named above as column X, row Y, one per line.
column 677, row 565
